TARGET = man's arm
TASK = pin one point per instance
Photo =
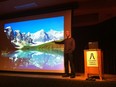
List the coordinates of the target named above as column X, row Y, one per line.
column 73, row 44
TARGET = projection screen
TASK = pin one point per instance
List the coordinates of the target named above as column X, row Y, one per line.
column 32, row 38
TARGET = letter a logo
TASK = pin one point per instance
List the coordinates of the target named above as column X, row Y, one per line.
column 92, row 56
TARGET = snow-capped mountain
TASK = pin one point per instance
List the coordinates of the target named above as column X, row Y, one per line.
column 55, row 35
column 42, row 36
column 37, row 38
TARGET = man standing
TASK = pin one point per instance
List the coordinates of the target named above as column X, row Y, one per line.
column 69, row 47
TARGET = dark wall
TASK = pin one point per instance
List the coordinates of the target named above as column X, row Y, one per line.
column 104, row 33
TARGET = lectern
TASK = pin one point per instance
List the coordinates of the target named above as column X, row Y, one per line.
column 93, row 62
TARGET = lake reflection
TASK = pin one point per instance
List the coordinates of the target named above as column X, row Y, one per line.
column 35, row 60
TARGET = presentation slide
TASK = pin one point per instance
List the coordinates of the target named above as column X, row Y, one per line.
column 33, row 41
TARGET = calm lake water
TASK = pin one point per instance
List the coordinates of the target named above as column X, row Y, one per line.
column 33, row 60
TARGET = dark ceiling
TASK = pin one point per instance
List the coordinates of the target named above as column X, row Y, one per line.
column 87, row 12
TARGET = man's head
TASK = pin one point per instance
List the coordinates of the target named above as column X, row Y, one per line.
column 68, row 34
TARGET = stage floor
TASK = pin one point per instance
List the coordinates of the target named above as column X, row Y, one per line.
column 79, row 76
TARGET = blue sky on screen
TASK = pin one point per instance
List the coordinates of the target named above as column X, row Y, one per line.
column 55, row 23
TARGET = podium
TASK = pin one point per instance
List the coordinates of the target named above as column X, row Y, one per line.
column 93, row 62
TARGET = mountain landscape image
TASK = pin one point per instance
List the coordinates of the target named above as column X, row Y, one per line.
column 34, row 41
